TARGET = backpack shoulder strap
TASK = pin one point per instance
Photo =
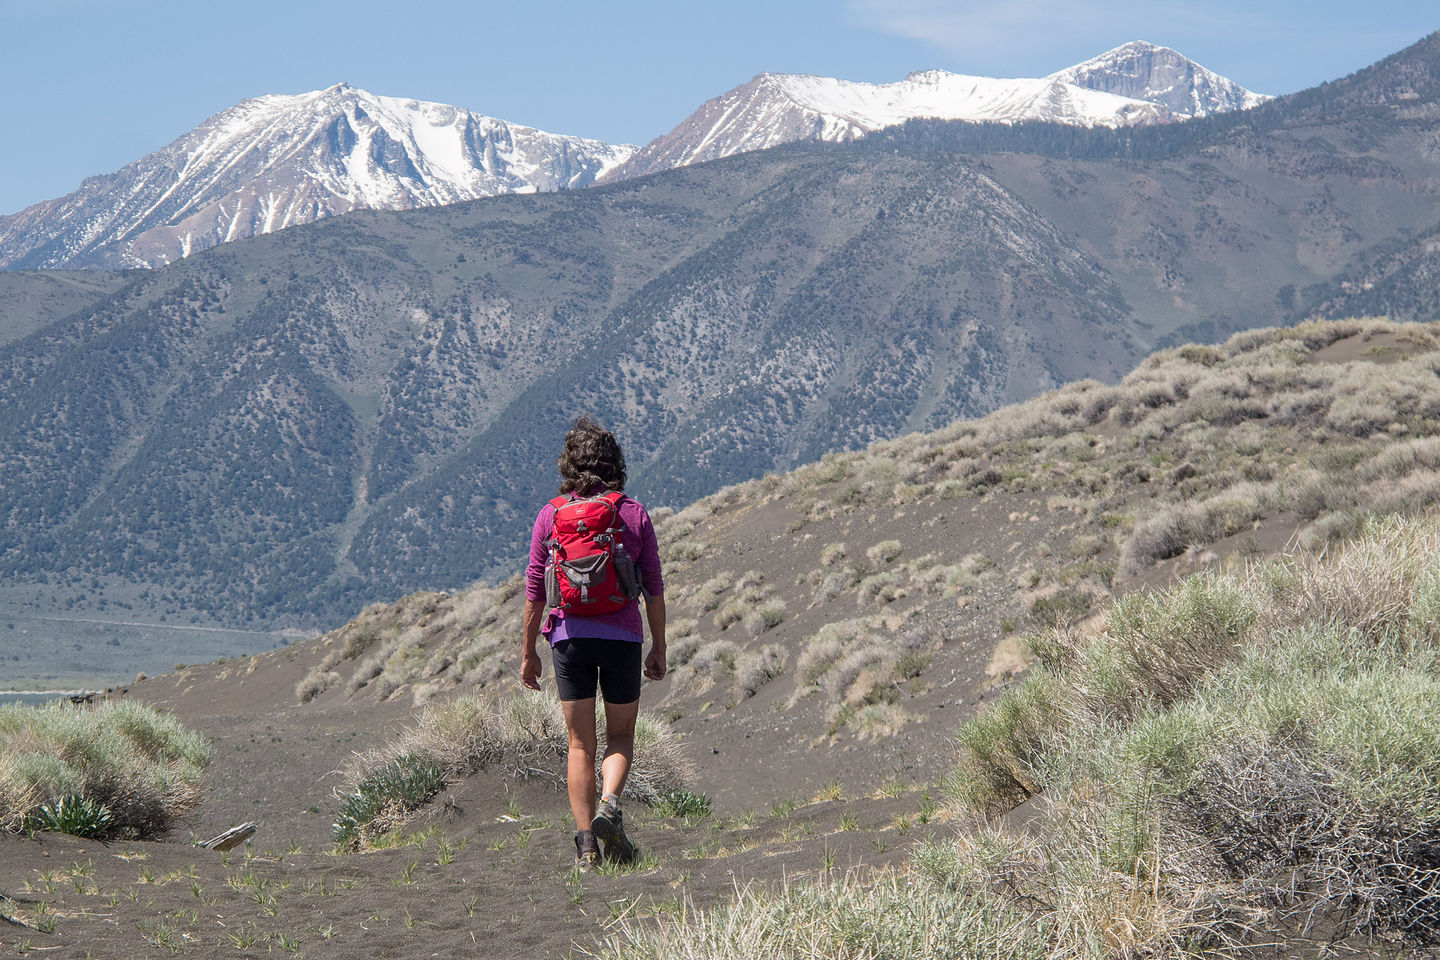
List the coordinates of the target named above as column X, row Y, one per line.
column 560, row 501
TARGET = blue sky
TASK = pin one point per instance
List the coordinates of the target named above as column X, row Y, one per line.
column 89, row 85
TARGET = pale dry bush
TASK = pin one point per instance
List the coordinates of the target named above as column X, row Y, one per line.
column 708, row 593
column 424, row 693
column 316, row 682
column 367, row 670
column 818, row 655
column 857, row 657
column 766, row 615
column 1400, row 459
column 1410, row 494
column 1174, row 528
column 1165, row 534
column 876, row 721
column 715, row 658
column 682, row 649
column 755, row 668
column 883, row 587
column 1330, row 527
column 680, row 525
column 884, row 552
column 1306, row 408
column 1370, row 397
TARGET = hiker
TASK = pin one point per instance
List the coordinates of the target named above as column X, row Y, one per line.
column 592, row 553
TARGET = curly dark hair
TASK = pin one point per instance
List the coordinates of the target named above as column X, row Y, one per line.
column 591, row 456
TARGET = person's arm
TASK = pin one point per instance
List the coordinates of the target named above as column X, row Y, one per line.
column 534, row 613
column 655, row 615
column 530, row 665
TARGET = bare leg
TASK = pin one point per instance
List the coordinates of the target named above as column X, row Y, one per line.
column 580, row 761
column 619, row 746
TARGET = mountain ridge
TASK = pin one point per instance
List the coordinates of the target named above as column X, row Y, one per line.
column 279, row 160
column 1113, row 89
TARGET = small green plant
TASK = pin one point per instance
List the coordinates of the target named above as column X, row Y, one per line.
column 681, row 803
column 77, row 815
column 407, row 876
column 642, row 860
column 162, row 935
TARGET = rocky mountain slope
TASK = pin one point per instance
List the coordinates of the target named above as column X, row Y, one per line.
column 287, row 427
column 1135, row 84
column 277, row 161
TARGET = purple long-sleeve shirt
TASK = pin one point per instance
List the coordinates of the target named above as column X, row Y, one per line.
column 638, row 537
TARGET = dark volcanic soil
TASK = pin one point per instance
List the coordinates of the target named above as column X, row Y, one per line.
column 489, row 872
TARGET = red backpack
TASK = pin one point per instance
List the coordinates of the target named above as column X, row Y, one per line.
column 589, row 572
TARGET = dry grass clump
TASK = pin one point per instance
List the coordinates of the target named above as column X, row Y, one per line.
column 133, row 768
column 1235, row 757
column 753, row 604
column 819, row 653
column 863, row 682
column 902, row 916
column 524, row 738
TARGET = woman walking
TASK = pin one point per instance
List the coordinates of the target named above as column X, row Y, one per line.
column 592, row 552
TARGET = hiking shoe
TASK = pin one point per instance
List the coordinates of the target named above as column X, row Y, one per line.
column 609, row 827
column 587, row 851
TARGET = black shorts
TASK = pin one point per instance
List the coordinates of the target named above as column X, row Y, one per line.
column 580, row 661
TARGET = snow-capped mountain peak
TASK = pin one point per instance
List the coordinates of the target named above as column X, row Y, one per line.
column 279, row 160
column 1156, row 74
column 1137, row 83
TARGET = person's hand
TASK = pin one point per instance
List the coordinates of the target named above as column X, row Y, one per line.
column 655, row 663
column 530, row 669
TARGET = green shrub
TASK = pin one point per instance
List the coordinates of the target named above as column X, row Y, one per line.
column 1001, row 748
column 379, row 802
column 1232, row 759
column 1066, row 606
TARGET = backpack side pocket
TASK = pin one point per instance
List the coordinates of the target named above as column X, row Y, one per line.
column 627, row 571
column 552, row 584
